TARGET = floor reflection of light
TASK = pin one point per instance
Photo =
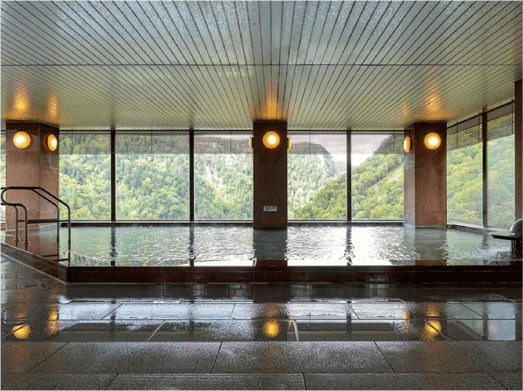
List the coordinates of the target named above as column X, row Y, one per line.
column 271, row 328
column 22, row 332
column 51, row 327
column 432, row 329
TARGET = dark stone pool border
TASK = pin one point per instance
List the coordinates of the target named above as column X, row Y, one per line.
column 426, row 272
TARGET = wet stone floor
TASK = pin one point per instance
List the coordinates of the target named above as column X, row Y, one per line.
column 256, row 336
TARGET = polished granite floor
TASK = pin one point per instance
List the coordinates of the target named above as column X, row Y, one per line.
column 256, row 336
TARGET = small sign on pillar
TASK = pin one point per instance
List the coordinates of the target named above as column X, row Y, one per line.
column 270, row 209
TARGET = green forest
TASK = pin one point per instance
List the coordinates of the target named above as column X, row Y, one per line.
column 465, row 184
column 155, row 186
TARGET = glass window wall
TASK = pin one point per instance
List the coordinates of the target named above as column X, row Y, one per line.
column 85, row 174
column 377, row 176
column 2, row 169
column 222, row 176
column 317, row 176
column 464, row 173
column 152, row 175
column 500, row 167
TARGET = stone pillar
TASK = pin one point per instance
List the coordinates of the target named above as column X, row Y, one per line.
column 426, row 177
column 269, row 175
column 518, row 140
column 33, row 166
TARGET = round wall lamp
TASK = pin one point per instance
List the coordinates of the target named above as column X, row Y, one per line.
column 22, row 140
column 51, row 142
column 271, row 139
column 432, row 140
column 407, row 144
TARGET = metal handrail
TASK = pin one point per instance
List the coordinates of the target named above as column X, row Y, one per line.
column 16, row 205
column 35, row 190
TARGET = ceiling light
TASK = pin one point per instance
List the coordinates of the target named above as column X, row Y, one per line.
column 22, row 140
column 432, row 141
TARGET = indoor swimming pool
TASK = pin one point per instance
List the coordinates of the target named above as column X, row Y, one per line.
column 300, row 245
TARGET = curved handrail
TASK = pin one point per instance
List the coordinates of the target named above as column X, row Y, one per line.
column 68, row 211
column 34, row 190
column 16, row 205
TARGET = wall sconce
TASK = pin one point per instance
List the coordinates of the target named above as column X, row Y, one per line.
column 22, row 140
column 289, row 143
column 432, row 140
column 50, row 142
column 271, row 139
column 250, row 142
column 407, row 144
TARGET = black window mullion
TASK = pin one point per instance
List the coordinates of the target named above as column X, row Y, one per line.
column 191, row 174
column 349, row 177
column 113, row 174
column 484, row 139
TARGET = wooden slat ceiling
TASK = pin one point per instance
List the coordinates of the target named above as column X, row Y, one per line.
column 222, row 64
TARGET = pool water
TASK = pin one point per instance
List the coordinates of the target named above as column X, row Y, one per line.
column 228, row 245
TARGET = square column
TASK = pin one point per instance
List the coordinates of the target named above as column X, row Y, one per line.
column 269, row 176
column 426, row 177
column 32, row 166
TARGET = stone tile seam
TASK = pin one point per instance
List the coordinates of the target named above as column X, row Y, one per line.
column 52, row 354
column 232, row 311
column 496, row 380
column 296, row 330
column 110, row 312
column 304, row 381
column 216, row 358
column 385, row 357
column 111, row 382
column 155, row 331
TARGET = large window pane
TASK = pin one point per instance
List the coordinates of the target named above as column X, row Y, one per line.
column 377, row 176
column 501, row 167
column 85, row 175
column 464, row 173
column 152, row 175
column 222, row 176
column 317, row 176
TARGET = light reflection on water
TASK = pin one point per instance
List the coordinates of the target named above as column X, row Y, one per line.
column 221, row 245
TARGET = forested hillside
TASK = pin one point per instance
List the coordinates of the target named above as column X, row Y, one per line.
column 156, row 186
column 464, row 183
